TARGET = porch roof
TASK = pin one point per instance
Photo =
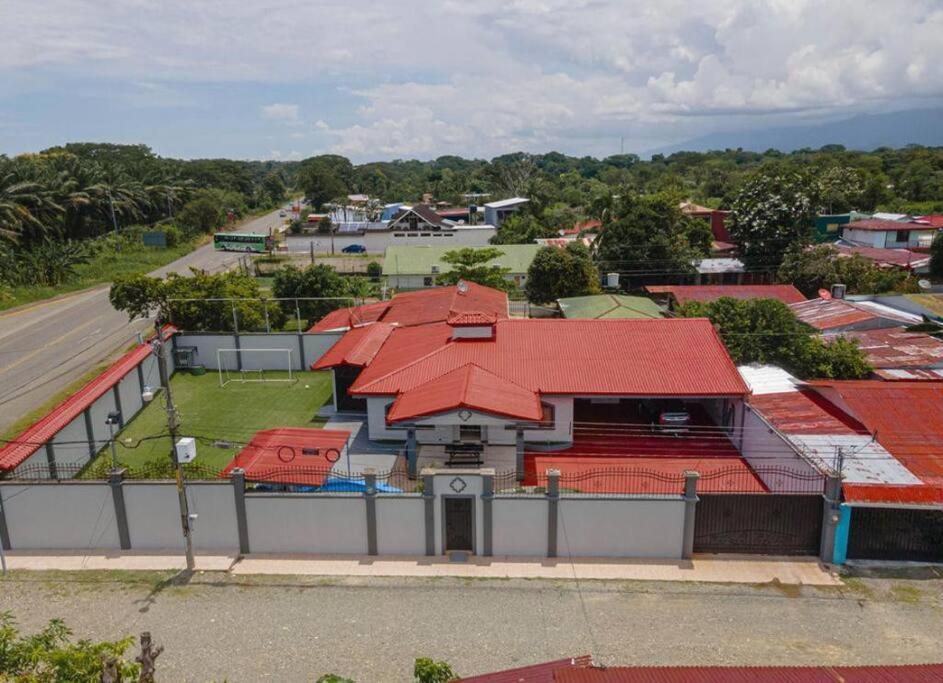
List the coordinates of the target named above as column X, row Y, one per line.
column 290, row 455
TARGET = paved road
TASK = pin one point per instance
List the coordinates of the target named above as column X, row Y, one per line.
column 46, row 346
column 295, row 628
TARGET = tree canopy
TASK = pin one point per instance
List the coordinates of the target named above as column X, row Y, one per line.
column 559, row 273
column 810, row 269
column 474, row 265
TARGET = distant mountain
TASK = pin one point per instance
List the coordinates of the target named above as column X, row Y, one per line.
column 864, row 132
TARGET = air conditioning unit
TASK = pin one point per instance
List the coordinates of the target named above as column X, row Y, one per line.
column 435, row 269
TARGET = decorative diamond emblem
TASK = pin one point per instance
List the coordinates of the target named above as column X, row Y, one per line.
column 464, row 415
column 458, row 485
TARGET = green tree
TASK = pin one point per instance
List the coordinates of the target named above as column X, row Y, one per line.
column 323, row 178
column 773, row 210
column 559, row 273
column 810, row 269
column 273, row 187
column 767, row 331
column 475, row 265
column 426, row 670
column 325, row 226
column 315, row 281
column 51, row 655
column 202, row 214
column 936, row 256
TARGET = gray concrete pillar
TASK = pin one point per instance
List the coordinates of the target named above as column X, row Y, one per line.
column 412, row 454
column 428, row 495
column 238, row 478
column 690, row 504
column 4, row 531
column 140, row 370
column 51, row 460
column 89, row 433
column 301, row 350
column 370, row 503
column 236, row 344
column 553, row 502
column 831, row 516
column 116, row 482
column 487, row 499
column 117, row 396
column 519, row 463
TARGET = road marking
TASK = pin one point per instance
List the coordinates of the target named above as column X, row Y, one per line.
column 52, row 342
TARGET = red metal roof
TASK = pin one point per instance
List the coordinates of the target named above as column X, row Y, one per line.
column 357, row 347
column 933, row 220
column 421, row 307
column 472, row 319
column 830, row 314
column 290, row 455
column 895, row 347
column 645, row 357
column 469, row 387
column 804, row 412
column 916, row 673
column 31, row 439
column 907, row 418
column 537, row 673
column 894, row 494
column 877, row 224
column 685, row 293
column 900, row 258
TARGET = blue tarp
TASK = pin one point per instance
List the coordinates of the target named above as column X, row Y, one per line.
column 354, row 485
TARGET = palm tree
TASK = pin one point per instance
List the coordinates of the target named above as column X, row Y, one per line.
column 23, row 206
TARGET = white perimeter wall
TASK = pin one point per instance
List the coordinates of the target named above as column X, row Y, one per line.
column 304, row 523
column 78, row 516
column 154, row 515
column 519, row 525
column 207, row 345
column 620, row 527
column 401, row 527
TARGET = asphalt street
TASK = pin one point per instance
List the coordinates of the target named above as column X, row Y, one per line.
column 221, row 627
column 47, row 345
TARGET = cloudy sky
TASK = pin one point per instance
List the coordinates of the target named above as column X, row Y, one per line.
column 421, row 78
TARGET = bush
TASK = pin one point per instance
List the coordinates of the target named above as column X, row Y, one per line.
column 295, row 227
column 374, row 269
column 173, row 235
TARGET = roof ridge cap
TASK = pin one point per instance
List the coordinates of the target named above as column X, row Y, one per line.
column 404, row 367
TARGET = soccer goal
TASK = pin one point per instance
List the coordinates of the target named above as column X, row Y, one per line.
column 253, row 365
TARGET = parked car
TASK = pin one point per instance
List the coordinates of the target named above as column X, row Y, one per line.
column 354, row 249
column 670, row 416
column 282, row 213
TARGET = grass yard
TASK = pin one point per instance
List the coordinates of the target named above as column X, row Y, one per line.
column 231, row 413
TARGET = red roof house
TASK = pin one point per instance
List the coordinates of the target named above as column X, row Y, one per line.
column 682, row 294
column 421, row 307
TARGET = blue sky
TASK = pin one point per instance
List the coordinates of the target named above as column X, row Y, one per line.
column 288, row 79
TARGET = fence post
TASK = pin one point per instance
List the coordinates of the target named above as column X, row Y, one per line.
column 487, row 498
column 238, row 479
column 519, row 462
column 553, row 501
column 116, row 482
column 831, row 516
column 690, row 504
column 51, row 459
column 117, row 397
column 370, row 503
column 411, row 457
column 4, row 530
column 428, row 495
column 89, row 432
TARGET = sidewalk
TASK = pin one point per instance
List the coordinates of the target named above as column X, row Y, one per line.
column 704, row 568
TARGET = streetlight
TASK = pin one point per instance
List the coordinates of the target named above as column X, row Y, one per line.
column 114, row 418
column 157, row 345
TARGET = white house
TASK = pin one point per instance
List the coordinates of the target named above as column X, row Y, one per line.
column 497, row 212
column 886, row 234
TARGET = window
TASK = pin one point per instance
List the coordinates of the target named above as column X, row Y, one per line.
column 469, row 433
column 548, row 414
column 902, row 236
column 427, row 282
column 413, row 222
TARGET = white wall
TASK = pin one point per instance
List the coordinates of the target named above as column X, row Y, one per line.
column 418, row 281
column 473, row 488
column 207, row 345
column 376, row 242
column 306, row 523
column 70, row 443
column 63, row 515
column 401, row 527
column 154, row 515
column 519, row 525
column 765, row 447
column 620, row 527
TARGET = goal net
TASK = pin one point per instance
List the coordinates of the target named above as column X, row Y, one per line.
column 254, row 365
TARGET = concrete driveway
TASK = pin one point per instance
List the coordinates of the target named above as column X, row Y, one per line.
column 47, row 345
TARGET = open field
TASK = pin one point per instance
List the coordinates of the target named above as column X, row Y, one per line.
column 232, row 413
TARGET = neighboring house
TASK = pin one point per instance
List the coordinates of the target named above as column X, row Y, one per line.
column 933, row 220
column 885, row 216
column 888, row 234
column 599, row 306
column 497, row 212
column 716, row 217
column 390, row 210
column 896, row 354
column 419, row 218
column 498, row 388
column 422, row 307
column 832, row 316
column 929, row 306
column 678, row 295
column 828, row 227
column 415, row 267
column 719, row 271
column 905, row 259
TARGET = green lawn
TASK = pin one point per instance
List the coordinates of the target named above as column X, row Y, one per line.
column 232, row 413
column 104, row 267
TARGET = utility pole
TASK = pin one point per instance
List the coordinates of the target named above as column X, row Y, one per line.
column 158, row 346
column 114, row 220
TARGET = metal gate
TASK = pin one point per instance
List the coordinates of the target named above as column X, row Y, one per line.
column 762, row 524
column 896, row 534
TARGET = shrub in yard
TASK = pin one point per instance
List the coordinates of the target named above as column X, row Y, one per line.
column 50, row 655
column 426, row 670
column 374, row 269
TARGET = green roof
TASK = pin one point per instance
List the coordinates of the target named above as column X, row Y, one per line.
column 609, row 306
column 418, row 260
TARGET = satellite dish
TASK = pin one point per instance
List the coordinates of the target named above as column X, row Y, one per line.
column 923, row 284
column 824, row 294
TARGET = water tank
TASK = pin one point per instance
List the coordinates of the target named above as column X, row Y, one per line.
column 612, row 280
column 838, row 291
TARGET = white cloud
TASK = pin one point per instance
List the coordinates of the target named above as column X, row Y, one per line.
column 496, row 75
column 281, row 112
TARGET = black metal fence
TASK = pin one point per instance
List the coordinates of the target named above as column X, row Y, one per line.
column 761, row 479
column 619, row 480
